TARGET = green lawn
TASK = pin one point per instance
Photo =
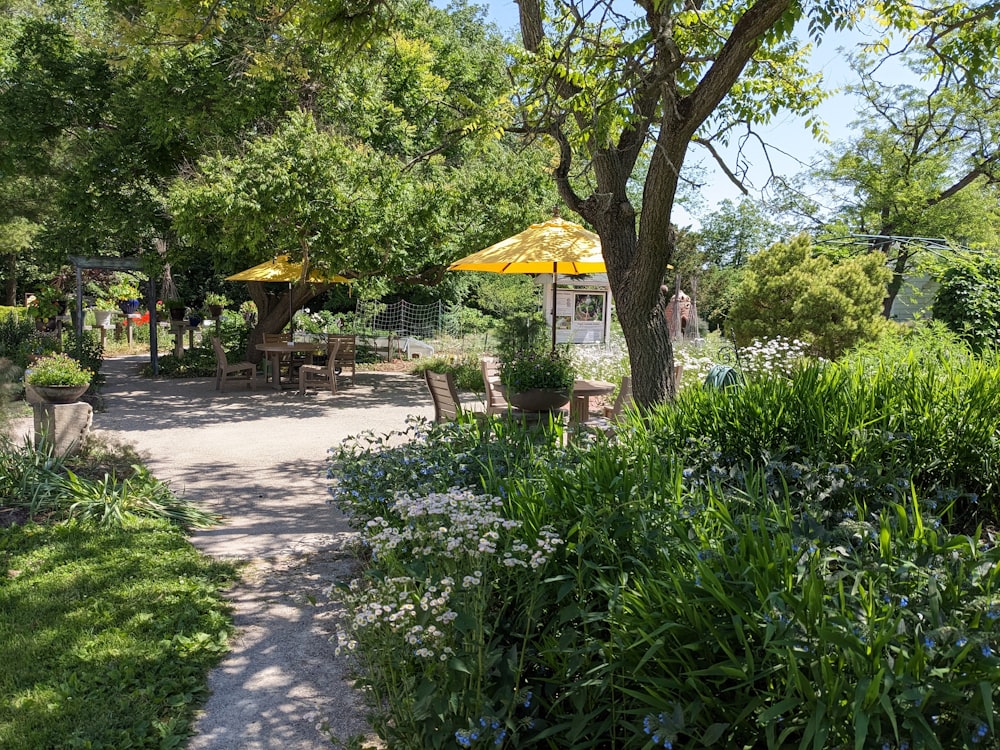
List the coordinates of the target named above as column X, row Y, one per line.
column 106, row 635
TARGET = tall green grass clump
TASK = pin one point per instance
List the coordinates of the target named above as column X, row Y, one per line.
column 867, row 427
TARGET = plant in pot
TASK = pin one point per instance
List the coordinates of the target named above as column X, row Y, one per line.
column 215, row 302
column 176, row 307
column 56, row 379
column 126, row 294
column 537, row 380
column 104, row 308
column 48, row 304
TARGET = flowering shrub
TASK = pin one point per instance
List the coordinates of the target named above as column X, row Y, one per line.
column 777, row 356
column 602, row 362
column 531, row 369
column 423, row 618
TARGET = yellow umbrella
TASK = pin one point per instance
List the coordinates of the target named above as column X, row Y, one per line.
column 280, row 268
column 555, row 246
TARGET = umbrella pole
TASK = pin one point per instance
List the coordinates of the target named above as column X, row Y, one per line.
column 555, row 286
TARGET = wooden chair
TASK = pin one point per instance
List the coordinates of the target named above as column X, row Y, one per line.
column 622, row 400
column 321, row 373
column 225, row 372
column 347, row 353
column 495, row 401
column 447, row 406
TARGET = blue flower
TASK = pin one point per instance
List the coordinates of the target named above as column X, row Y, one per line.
column 986, row 650
column 903, row 601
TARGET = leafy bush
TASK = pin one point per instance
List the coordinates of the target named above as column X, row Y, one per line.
column 787, row 291
column 57, row 369
column 467, row 371
column 967, row 302
column 778, row 565
column 89, row 353
column 18, row 338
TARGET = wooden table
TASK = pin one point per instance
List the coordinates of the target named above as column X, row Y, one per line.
column 583, row 390
column 276, row 349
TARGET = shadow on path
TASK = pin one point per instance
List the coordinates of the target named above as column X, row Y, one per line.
column 258, row 458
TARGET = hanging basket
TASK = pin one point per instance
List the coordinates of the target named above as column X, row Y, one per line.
column 128, row 306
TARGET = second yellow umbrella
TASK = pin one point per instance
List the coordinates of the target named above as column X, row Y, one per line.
column 555, row 246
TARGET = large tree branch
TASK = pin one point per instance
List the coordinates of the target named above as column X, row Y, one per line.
column 741, row 45
column 722, row 164
column 530, row 14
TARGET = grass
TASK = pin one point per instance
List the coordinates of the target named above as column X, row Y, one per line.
column 109, row 618
column 106, row 635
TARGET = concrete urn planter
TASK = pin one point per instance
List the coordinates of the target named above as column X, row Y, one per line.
column 539, row 399
column 54, row 394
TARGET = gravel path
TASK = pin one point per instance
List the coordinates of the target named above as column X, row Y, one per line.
column 258, row 458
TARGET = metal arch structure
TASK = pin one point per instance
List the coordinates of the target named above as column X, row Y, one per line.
column 118, row 264
column 937, row 245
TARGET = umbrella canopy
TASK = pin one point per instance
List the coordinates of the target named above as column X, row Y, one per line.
column 555, row 246
column 280, row 268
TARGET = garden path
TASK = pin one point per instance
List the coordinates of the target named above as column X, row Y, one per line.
column 258, row 459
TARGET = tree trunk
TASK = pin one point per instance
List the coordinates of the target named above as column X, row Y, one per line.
column 895, row 283
column 641, row 306
column 274, row 312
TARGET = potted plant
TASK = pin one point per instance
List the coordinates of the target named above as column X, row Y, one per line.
column 215, row 302
column 56, row 379
column 126, row 293
column 537, row 380
column 104, row 308
column 176, row 307
column 49, row 303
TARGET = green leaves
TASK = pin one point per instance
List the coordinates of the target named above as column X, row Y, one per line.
column 787, row 291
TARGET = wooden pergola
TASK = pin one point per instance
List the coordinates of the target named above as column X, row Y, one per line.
column 134, row 265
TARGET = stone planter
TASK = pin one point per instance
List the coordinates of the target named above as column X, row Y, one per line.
column 539, row 399
column 177, row 313
column 53, row 394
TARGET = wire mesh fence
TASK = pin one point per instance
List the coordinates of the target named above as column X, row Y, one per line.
column 401, row 318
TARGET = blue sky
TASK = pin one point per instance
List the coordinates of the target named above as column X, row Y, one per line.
column 792, row 145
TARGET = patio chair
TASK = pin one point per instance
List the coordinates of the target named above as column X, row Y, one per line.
column 447, row 406
column 347, row 353
column 226, row 372
column 495, row 401
column 622, row 400
column 326, row 373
